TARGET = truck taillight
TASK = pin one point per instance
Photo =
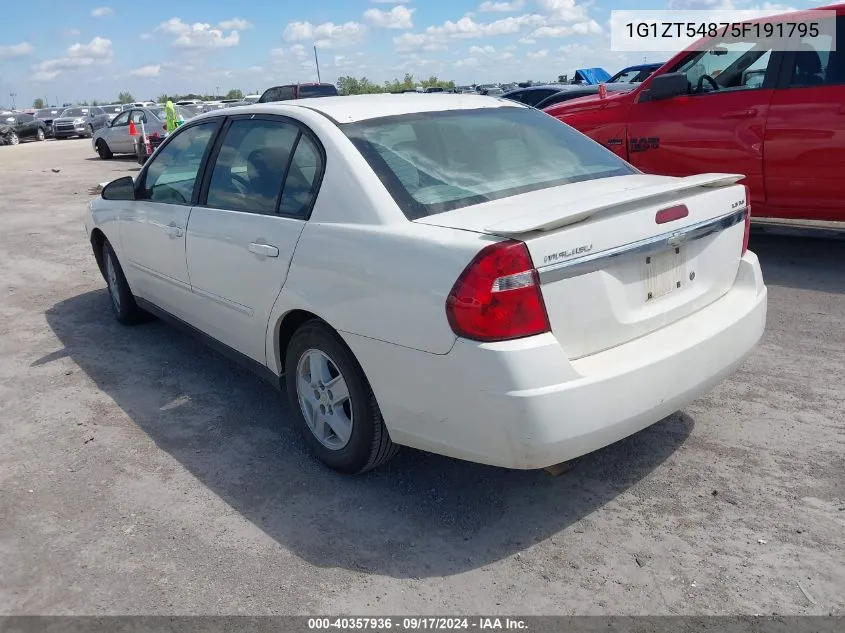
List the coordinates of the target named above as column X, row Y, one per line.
column 497, row 297
column 747, row 219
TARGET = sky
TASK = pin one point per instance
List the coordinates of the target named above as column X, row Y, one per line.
column 90, row 50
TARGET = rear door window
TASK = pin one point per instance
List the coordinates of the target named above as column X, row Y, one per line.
column 815, row 63
column 250, row 167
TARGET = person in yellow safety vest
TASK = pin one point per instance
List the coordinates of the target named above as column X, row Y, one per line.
column 170, row 112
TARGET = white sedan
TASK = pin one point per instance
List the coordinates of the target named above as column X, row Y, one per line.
column 459, row 274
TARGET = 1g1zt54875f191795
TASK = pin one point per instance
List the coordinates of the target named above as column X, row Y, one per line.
column 384, row 258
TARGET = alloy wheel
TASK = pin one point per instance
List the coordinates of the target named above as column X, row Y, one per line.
column 324, row 399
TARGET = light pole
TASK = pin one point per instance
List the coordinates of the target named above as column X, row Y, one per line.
column 12, row 96
column 216, row 91
column 317, row 61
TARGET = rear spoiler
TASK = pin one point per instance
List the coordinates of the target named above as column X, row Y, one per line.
column 560, row 214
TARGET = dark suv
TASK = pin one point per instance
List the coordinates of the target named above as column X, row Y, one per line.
column 297, row 91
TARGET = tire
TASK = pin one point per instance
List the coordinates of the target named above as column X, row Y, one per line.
column 14, row 139
column 89, row 132
column 126, row 311
column 364, row 443
column 103, row 150
column 40, row 136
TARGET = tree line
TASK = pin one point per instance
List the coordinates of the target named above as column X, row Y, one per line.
column 362, row 86
column 126, row 97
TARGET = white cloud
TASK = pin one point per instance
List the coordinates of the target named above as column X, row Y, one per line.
column 235, row 24
column 298, row 51
column 97, row 52
column 101, row 12
column 501, row 7
column 564, row 10
column 469, row 62
column 98, row 48
column 326, row 35
column 398, row 17
column 527, row 40
column 538, row 54
column 390, row 1
column 510, row 47
column 16, row 50
column 580, row 28
column 151, row 70
column 436, row 37
column 342, row 61
column 198, row 35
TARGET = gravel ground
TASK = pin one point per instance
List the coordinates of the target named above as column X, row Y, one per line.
column 142, row 473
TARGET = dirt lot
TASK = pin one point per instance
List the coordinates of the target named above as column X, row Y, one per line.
column 142, row 473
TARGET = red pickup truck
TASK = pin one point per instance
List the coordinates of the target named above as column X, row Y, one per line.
column 738, row 107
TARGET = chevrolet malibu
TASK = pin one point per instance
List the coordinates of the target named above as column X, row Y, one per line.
column 459, row 274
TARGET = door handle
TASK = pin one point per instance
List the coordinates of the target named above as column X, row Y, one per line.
column 173, row 230
column 266, row 250
column 740, row 114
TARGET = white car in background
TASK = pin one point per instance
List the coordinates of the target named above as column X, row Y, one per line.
column 454, row 273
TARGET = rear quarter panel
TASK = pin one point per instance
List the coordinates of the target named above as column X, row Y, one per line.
column 362, row 266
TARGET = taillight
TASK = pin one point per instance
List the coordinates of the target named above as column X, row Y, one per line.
column 497, row 297
column 747, row 219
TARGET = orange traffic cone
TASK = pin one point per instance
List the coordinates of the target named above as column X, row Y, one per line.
column 133, row 131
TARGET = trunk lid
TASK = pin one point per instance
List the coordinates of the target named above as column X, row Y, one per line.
column 609, row 271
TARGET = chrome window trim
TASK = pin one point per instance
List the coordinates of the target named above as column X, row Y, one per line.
column 596, row 261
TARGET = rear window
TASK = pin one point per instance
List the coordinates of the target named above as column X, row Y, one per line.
column 307, row 92
column 47, row 114
column 439, row 161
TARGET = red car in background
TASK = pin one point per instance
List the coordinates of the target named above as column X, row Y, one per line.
column 738, row 107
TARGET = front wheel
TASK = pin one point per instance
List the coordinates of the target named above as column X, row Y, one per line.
column 332, row 402
column 89, row 132
column 103, row 150
column 14, row 139
column 126, row 311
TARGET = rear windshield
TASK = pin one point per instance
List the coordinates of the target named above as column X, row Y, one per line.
column 47, row 114
column 439, row 161
column 306, row 92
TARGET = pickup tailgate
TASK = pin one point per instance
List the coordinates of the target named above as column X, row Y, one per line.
column 621, row 257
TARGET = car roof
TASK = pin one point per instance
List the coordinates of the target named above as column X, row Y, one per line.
column 363, row 107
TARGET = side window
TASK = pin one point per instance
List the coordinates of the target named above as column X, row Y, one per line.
column 172, row 174
column 250, row 167
column 301, row 182
column 734, row 65
column 816, row 64
column 137, row 116
column 122, row 119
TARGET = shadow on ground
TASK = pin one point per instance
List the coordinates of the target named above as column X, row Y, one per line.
column 805, row 259
column 421, row 515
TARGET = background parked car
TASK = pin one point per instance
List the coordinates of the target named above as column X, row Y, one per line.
column 48, row 115
column 115, row 138
column 80, row 121
column 289, row 92
column 532, row 95
column 567, row 93
column 113, row 110
column 22, row 127
column 634, row 74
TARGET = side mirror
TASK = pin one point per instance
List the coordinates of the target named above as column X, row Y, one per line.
column 120, row 189
column 666, row 86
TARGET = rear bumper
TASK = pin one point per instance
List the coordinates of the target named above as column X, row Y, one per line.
column 523, row 404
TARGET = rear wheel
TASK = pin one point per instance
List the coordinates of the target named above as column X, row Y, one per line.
column 103, row 150
column 332, row 402
column 126, row 311
column 40, row 135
